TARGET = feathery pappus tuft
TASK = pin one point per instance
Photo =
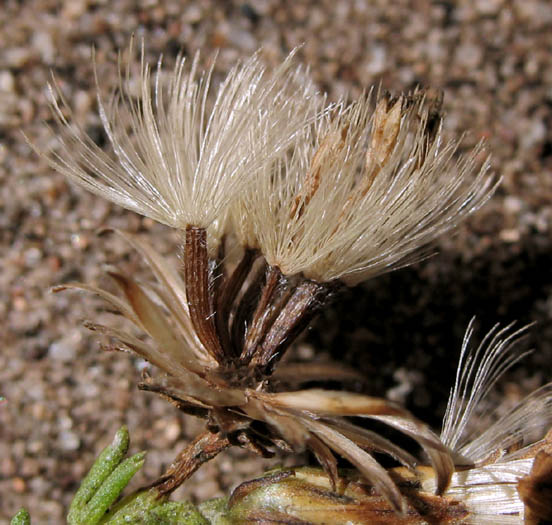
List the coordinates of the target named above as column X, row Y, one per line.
column 329, row 191
column 500, row 457
column 183, row 149
column 366, row 188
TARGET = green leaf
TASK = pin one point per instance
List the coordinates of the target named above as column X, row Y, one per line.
column 176, row 512
column 133, row 508
column 111, row 488
column 215, row 511
column 102, row 468
column 21, row 518
column 150, row 508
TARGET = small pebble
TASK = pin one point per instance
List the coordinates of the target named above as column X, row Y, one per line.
column 7, row 81
column 43, row 43
column 172, row 431
column 509, row 235
column 61, row 351
column 512, row 204
column 19, row 485
column 68, row 440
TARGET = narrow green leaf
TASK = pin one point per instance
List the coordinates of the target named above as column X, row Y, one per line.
column 215, row 511
column 133, row 507
column 150, row 508
column 21, row 518
column 175, row 512
column 111, row 488
column 107, row 461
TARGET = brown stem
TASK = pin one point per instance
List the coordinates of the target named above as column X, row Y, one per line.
column 261, row 318
column 227, row 297
column 301, row 307
column 202, row 449
column 196, row 276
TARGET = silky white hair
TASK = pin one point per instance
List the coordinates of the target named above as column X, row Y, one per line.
column 183, row 149
column 343, row 206
column 332, row 191
column 500, row 455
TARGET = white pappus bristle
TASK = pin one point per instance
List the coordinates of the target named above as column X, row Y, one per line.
column 182, row 148
column 366, row 187
column 498, row 457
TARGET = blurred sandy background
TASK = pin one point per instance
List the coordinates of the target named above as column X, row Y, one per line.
column 65, row 398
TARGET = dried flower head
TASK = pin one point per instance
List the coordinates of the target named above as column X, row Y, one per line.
column 339, row 192
column 181, row 149
column 312, row 197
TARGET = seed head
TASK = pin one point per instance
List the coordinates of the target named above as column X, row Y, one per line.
column 183, row 149
column 310, row 196
column 365, row 189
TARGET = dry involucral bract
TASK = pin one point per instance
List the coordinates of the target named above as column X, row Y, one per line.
column 503, row 474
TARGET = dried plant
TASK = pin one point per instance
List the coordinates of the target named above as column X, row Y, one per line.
column 310, row 197
column 502, row 476
column 239, row 395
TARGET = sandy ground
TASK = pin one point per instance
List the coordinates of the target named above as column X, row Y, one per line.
column 65, row 398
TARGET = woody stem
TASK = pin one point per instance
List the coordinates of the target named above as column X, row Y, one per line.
column 202, row 449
